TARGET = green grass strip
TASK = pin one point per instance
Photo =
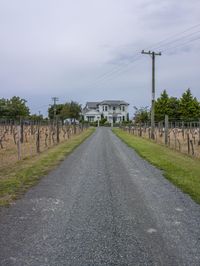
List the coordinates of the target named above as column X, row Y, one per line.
column 182, row 170
column 15, row 181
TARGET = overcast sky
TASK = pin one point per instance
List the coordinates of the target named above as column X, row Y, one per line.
column 85, row 50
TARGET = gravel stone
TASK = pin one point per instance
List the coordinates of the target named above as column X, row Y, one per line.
column 103, row 205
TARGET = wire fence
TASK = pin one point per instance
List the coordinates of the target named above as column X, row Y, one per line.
column 178, row 135
column 19, row 141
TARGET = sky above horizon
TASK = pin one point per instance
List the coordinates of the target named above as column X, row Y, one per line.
column 91, row 50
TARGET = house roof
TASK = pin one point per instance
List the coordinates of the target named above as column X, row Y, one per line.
column 92, row 104
column 113, row 102
column 89, row 106
column 92, row 112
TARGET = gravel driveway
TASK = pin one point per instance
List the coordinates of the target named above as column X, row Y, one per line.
column 103, row 205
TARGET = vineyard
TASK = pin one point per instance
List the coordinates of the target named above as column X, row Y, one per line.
column 182, row 137
column 18, row 142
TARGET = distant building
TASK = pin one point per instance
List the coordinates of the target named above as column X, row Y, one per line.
column 112, row 111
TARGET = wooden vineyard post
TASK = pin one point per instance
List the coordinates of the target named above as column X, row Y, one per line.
column 179, row 145
column 46, row 137
column 19, row 142
column 192, row 146
column 166, row 129
column 168, row 138
column 188, row 142
column 175, row 138
column 57, row 132
column 149, row 131
column 183, row 132
column 140, row 130
column 22, row 131
column 38, row 140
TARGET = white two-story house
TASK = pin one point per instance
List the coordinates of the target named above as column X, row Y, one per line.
column 112, row 111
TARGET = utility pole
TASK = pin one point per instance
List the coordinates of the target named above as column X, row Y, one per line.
column 152, row 54
column 54, row 99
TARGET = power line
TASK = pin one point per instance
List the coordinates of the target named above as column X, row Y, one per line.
column 155, row 45
column 179, row 39
column 117, row 70
column 182, row 44
column 163, row 43
column 172, row 36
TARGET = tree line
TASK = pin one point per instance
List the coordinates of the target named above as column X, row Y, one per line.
column 186, row 108
column 16, row 108
column 69, row 110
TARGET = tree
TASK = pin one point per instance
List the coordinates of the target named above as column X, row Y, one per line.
column 65, row 112
column 162, row 106
column 75, row 110
column 14, row 108
column 166, row 105
column 3, row 108
column 36, row 118
column 189, row 107
column 71, row 110
column 58, row 107
column 141, row 115
column 174, row 109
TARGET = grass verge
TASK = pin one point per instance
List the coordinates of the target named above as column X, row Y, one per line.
column 26, row 173
column 182, row 170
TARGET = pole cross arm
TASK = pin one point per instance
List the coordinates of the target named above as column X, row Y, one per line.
column 151, row 53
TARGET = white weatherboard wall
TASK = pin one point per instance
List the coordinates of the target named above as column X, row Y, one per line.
column 113, row 111
column 92, row 116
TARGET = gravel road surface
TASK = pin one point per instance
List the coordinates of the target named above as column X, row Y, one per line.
column 103, row 205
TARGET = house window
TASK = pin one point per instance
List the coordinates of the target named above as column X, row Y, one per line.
column 123, row 108
column 114, row 108
column 90, row 118
column 123, row 118
column 106, row 108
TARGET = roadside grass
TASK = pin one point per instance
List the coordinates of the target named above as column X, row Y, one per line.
column 16, row 180
column 182, row 170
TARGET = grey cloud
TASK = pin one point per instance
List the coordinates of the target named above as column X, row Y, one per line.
column 70, row 48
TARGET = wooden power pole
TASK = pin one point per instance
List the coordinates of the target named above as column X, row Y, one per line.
column 152, row 54
column 54, row 99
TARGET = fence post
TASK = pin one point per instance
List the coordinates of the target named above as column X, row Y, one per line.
column 166, row 129
column 38, row 140
column 57, row 132
column 19, row 142
column 22, row 130
column 192, row 147
column 183, row 130
column 140, row 131
column 188, row 142
column 149, row 131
